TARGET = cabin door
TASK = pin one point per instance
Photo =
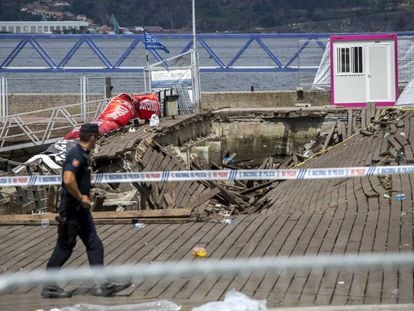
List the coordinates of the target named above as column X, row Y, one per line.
column 378, row 75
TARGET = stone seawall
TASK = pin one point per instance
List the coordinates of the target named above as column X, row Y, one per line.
column 218, row 100
column 19, row 103
column 28, row 102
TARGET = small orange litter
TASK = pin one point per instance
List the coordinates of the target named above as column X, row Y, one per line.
column 199, row 252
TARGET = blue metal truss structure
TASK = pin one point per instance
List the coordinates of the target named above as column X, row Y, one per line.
column 37, row 42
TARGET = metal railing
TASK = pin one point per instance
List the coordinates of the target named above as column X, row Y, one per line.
column 126, row 53
column 211, row 267
column 45, row 126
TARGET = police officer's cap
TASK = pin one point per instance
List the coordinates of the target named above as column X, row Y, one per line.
column 89, row 128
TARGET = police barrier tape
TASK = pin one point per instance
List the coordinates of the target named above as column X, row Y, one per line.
column 168, row 176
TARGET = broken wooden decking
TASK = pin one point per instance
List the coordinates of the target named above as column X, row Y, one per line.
column 335, row 216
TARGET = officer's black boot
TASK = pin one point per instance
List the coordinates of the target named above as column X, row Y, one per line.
column 108, row 289
column 54, row 291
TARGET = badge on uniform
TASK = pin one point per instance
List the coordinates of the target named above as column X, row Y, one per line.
column 75, row 163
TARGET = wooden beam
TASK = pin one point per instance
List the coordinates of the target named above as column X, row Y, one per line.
column 363, row 118
column 205, row 196
column 261, row 186
column 24, row 219
column 223, row 192
column 329, row 136
column 349, row 132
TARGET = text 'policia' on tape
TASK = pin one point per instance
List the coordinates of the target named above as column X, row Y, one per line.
column 281, row 174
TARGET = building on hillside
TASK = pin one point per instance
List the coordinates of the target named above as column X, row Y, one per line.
column 41, row 26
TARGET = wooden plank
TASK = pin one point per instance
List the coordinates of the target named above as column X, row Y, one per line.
column 401, row 139
column 409, row 154
column 363, row 118
column 258, row 187
column 145, row 195
column 372, row 146
column 394, row 143
column 36, row 219
column 143, row 214
column 17, row 246
column 184, row 186
column 393, row 128
column 223, row 192
column 263, row 165
column 370, row 113
column 329, row 136
column 188, row 195
column 342, row 130
column 176, row 238
column 350, row 123
column 216, row 287
column 207, row 195
column 117, row 149
column 295, row 159
column 249, row 248
column 179, row 250
column 168, row 199
column 183, row 286
column 381, row 150
column 52, row 199
column 146, row 157
column 411, row 132
column 354, row 123
column 159, row 220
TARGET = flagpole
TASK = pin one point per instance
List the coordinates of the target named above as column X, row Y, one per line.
column 194, row 26
column 147, row 83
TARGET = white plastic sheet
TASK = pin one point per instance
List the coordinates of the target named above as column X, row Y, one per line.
column 234, row 301
column 406, row 98
column 154, row 121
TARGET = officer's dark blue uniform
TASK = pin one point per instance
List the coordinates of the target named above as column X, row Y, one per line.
column 74, row 219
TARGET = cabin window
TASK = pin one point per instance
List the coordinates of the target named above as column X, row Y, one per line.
column 350, row 60
column 357, row 59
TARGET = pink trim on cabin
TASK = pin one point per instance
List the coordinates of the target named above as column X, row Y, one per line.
column 364, row 37
column 357, row 105
column 332, row 71
column 344, row 38
column 396, row 66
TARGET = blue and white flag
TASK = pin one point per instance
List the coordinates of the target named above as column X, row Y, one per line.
column 153, row 44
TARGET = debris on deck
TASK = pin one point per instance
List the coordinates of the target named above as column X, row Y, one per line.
column 138, row 147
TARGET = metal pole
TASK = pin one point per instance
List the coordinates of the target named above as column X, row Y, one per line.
column 83, row 82
column 108, row 87
column 195, row 67
column 210, row 267
column 4, row 111
column 194, row 26
column 2, row 114
column 1, row 98
column 147, row 71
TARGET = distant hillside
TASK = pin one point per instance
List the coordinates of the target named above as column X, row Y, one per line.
column 241, row 15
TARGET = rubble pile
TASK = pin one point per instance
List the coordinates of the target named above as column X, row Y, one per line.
column 140, row 149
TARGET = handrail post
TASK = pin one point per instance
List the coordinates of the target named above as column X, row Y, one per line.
column 4, row 106
column 84, row 98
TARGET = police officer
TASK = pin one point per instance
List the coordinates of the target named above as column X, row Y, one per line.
column 75, row 218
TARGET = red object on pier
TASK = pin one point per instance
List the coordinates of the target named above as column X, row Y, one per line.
column 120, row 110
column 148, row 104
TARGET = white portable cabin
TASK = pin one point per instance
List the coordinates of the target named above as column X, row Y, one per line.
column 364, row 70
